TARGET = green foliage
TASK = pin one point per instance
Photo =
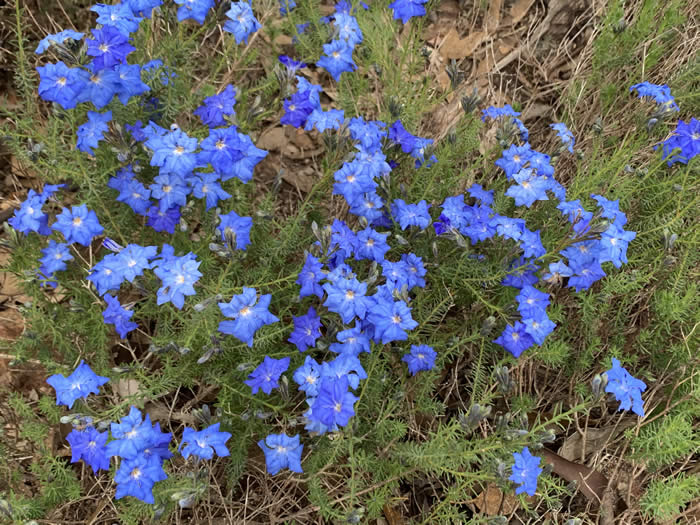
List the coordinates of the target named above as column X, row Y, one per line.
column 665, row 498
column 663, row 442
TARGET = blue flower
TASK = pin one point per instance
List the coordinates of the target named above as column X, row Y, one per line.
column 55, row 256
column 266, row 375
column 62, row 84
column 248, row 316
column 222, row 149
column 79, row 384
column 282, row 451
column 194, row 9
column 613, row 245
column 204, row 443
column 29, row 217
column 557, row 270
column 480, row 194
column 89, row 445
column 174, row 152
column 91, row 133
column 347, row 28
column 526, row 471
column 78, row 225
column 409, row 215
column 369, row 135
column 132, row 435
column 521, row 272
column 610, row 210
column 323, row 120
column 344, row 366
column 337, row 59
column 416, row 270
column 163, row 221
column 346, row 297
column 307, row 328
column 539, row 326
column 58, row 38
column 660, row 93
column 391, row 319
column 286, row 6
column 217, row 106
column 129, row 83
column 515, row 339
column 297, row 109
column 136, row 477
column 334, row 404
column 493, row 112
column 421, row 357
column 143, row 7
column 566, row 137
column 531, row 244
column 371, row 245
column 353, row 181
column 531, row 301
column 178, row 276
column 398, row 134
column 240, row 226
column 308, row 376
column 206, row 186
column 109, row 46
column 170, row 190
column 100, row 87
column 586, row 271
column 291, row 64
column 118, row 316
column 135, row 259
column 514, row 159
column 310, row 277
column 404, row 10
column 685, row 137
column 530, row 188
column 107, row 274
column 119, row 16
column 626, row 388
column 242, row 21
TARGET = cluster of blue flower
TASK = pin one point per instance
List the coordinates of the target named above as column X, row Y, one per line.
column 684, row 142
column 381, row 313
column 140, row 445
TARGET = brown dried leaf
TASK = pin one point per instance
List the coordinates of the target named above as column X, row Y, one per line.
column 273, row 139
column 595, row 440
column 127, row 387
column 519, row 9
column 455, row 47
column 493, row 502
column 493, row 16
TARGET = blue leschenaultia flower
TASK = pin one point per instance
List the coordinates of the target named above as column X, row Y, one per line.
column 526, row 470
column 56, row 254
column 242, row 22
column 266, row 375
column 566, row 137
column 334, row 404
column 92, row 132
column 193, row 9
column 90, row 446
column 404, row 10
column 82, row 382
column 136, row 477
column 307, row 329
column 178, row 276
column 239, row 226
column 420, row 358
column 248, row 317
column 626, row 388
column 282, row 451
column 204, row 443
column 78, row 225
column 216, row 107
column 117, row 315
column 686, row 138
column 57, row 38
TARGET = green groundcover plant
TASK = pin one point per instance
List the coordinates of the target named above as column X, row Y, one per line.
column 319, row 328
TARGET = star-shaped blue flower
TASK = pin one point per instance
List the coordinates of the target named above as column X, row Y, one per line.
column 248, row 317
column 79, row 384
column 204, row 443
column 525, row 471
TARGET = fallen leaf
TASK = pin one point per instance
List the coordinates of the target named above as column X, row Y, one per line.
column 534, row 111
column 392, row 515
column 11, row 324
column 127, row 387
column 596, row 438
column 591, row 482
column 273, row 139
column 519, row 9
column 493, row 16
column 455, row 47
column 493, row 501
